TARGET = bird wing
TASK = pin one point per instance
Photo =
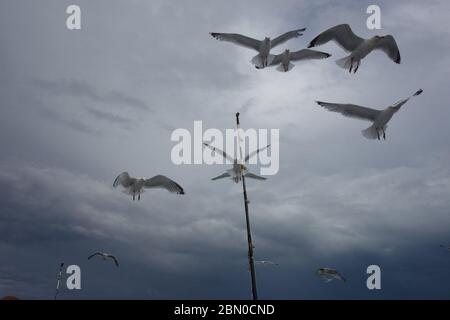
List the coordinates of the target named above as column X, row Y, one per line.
column 223, row 153
column 238, row 39
column 114, row 258
column 351, row 110
column 306, row 54
column 92, row 255
column 340, row 276
column 124, row 179
column 223, row 175
column 254, row 176
column 342, row 34
column 252, row 154
column 276, row 60
column 389, row 46
column 400, row 103
column 161, row 181
column 286, row 36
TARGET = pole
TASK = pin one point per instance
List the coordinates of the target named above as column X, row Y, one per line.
column 59, row 279
column 251, row 262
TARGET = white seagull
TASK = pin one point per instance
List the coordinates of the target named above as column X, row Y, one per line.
column 238, row 170
column 284, row 59
column 358, row 47
column 105, row 256
column 330, row 274
column 136, row 185
column 266, row 263
column 379, row 118
column 263, row 58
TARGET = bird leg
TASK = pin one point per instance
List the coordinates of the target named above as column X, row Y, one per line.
column 384, row 134
column 134, row 195
column 139, row 195
column 357, row 66
column 378, row 134
column 351, row 65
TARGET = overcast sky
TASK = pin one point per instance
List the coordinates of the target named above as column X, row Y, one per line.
column 79, row 107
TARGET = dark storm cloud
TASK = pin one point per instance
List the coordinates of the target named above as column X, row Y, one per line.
column 338, row 201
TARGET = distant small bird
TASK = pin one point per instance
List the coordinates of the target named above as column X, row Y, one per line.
column 263, row 58
column 284, row 60
column 379, row 118
column 358, row 47
column 136, row 185
column 266, row 263
column 330, row 274
column 105, row 256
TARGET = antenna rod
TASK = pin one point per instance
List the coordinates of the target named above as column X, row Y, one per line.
column 59, row 279
column 247, row 220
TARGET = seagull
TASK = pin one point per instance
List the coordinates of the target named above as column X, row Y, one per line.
column 330, row 274
column 135, row 185
column 104, row 256
column 266, row 263
column 238, row 169
column 263, row 58
column 379, row 118
column 284, row 59
column 358, row 47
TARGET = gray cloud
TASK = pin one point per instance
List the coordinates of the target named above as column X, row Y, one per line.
column 338, row 201
column 81, row 89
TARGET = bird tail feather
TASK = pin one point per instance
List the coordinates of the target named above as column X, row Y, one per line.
column 281, row 67
column 345, row 62
column 257, row 61
column 370, row 133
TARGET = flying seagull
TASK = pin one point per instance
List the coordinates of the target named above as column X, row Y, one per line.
column 238, row 170
column 263, row 58
column 330, row 274
column 358, row 47
column 136, row 185
column 284, row 59
column 266, row 263
column 104, row 256
column 379, row 118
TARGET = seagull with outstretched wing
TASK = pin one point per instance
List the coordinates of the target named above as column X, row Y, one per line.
column 379, row 118
column 329, row 274
column 359, row 47
column 266, row 263
column 137, row 185
column 105, row 256
column 263, row 58
column 283, row 61
column 238, row 170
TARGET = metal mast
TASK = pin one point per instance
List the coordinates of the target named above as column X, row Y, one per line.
column 251, row 262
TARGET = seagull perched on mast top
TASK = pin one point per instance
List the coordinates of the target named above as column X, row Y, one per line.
column 358, row 47
column 379, row 118
column 136, row 185
column 238, row 169
column 263, row 58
